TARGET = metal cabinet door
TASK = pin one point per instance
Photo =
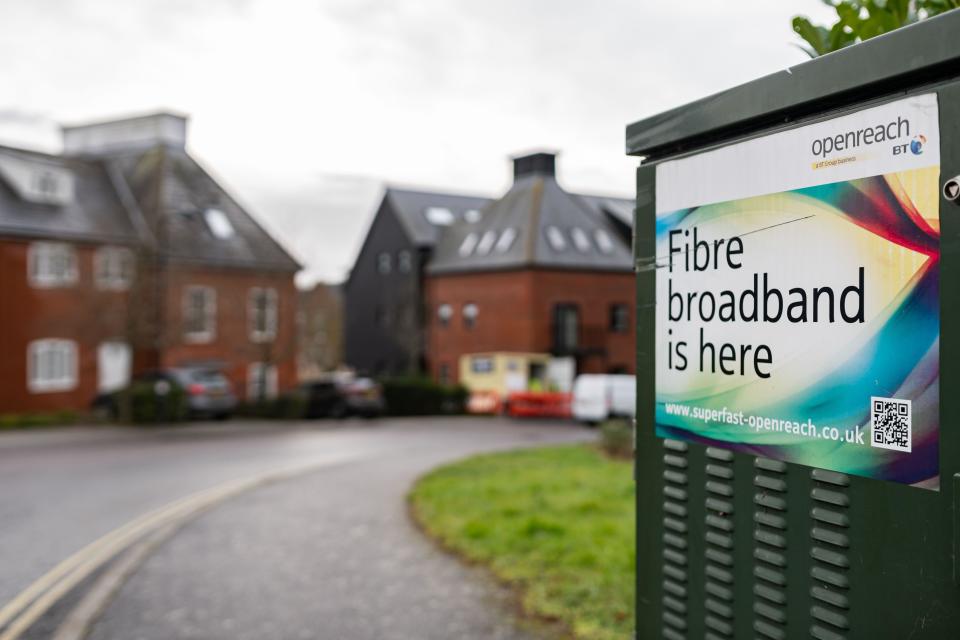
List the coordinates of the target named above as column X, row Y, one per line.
column 735, row 546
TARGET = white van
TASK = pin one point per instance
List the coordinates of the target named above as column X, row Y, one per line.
column 597, row 397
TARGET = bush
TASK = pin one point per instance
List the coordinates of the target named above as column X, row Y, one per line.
column 422, row 397
column 290, row 406
column 145, row 405
column 616, row 438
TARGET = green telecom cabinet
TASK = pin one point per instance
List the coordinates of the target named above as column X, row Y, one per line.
column 797, row 247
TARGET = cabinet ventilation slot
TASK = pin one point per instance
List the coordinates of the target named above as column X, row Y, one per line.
column 718, row 602
column 770, row 550
column 830, row 548
column 675, row 514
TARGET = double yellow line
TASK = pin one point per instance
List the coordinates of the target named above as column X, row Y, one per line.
column 18, row 615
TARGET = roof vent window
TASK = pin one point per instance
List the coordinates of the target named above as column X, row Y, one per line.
column 580, row 240
column 556, row 239
column 219, row 223
column 603, row 241
column 440, row 216
column 486, row 243
column 466, row 247
column 506, row 239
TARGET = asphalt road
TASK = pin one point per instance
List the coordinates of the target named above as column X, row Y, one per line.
column 330, row 553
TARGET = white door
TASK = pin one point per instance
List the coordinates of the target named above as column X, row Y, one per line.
column 113, row 365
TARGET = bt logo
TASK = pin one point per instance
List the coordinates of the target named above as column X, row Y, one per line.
column 915, row 146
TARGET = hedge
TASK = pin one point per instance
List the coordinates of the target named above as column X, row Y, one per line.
column 422, row 396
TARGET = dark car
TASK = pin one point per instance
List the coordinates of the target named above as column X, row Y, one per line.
column 339, row 398
column 208, row 392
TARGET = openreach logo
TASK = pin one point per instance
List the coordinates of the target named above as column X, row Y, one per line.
column 892, row 131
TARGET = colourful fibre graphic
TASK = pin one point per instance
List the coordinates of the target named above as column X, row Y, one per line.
column 826, row 385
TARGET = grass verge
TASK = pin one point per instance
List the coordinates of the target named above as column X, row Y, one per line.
column 557, row 522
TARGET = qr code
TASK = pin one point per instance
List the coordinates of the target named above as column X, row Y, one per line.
column 890, row 424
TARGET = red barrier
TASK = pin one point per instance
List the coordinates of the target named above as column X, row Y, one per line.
column 538, row 404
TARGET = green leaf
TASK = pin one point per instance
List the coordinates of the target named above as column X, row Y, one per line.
column 815, row 36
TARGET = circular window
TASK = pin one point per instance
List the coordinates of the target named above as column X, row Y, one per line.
column 440, row 216
column 470, row 310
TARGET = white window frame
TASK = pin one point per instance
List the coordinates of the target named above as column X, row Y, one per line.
column 269, row 331
column 40, row 257
column 254, row 372
column 113, row 268
column 66, row 380
column 209, row 331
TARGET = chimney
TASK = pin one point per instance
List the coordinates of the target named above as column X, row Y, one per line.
column 123, row 134
column 542, row 163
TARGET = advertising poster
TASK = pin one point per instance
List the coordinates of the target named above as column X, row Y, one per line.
column 798, row 312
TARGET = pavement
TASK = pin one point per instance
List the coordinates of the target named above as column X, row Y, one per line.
column 330, row 553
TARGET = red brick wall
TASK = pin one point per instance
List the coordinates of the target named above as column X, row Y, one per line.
column 504, row 322
column 89, row 316
column 232, row 344
column 516, row 314
column 81, row 313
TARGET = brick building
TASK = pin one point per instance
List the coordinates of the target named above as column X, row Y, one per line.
column 542, row 271
column 430, row 260
column 122, row 254
column 383, row 298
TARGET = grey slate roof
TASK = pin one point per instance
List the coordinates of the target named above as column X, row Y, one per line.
column 145, row 196
column 411, row 206
column 534, row 207
column 95, row 213
column 186, row 191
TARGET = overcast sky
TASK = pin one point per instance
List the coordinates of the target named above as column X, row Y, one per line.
column 305, row 108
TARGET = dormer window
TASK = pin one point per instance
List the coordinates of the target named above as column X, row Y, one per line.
column 440, row 216
column 218, row 223
column 43, row 182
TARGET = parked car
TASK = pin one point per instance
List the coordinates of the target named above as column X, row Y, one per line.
column 342, row 397
column 208, row 392
column 597, row 397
